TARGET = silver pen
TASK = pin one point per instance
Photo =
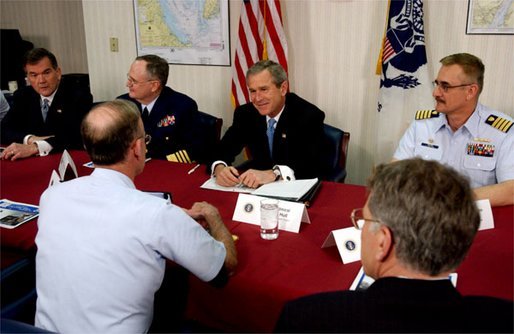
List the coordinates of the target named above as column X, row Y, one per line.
column 193, row 169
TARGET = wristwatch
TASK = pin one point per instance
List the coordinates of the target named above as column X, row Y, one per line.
column 277, row 173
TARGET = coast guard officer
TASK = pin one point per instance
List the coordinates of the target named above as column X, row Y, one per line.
column 464, row 134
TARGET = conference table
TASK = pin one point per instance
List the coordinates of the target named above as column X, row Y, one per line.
column 270, row 272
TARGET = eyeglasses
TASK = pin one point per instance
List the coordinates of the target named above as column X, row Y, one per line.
column 131, row 81
column 358, row 219
column 147, row 138
column 444, row 86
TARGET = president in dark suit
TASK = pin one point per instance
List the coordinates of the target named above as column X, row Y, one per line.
column 417, row 226
column 277, row 128
column 168, row 116
column 46, row 115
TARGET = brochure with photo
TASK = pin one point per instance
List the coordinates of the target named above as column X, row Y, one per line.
column 13, row 214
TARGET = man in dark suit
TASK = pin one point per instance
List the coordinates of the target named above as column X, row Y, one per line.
column 282, row 132
column 168, row 116
column 46, row 115
column 417, row 226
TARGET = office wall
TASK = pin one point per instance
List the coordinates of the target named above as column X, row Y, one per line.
column 333, row 48
column 57, row 25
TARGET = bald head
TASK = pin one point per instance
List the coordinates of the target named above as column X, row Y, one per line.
column 109, row 129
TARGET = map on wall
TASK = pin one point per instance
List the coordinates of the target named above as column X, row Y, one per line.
column 194, row 32
column 490, row 17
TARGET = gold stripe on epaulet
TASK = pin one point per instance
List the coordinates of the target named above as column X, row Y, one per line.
column 426, row 114
column 179, row 156
column 499, row 123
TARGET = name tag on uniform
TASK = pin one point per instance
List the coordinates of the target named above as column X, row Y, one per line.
column 430, row 145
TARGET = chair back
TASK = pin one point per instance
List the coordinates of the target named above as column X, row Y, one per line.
column 207, row 136
column 14, row 326
column 335, row 153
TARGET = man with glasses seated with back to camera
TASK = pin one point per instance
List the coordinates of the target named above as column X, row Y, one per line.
column 417, row 226
column 464, row 134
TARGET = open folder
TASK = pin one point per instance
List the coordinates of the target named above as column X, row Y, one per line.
column 296, row 191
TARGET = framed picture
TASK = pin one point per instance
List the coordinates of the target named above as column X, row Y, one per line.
column 490, row 17
column 189, row 32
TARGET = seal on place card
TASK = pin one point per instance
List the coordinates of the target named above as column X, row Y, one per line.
column 290, row 214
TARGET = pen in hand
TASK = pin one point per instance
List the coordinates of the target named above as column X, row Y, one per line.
column 193, row 169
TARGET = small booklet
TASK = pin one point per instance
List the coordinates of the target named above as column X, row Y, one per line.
column 13, row 214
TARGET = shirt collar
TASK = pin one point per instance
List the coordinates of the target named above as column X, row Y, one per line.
column 474, row 120
column 49, row 98
column 276, row 118
column 471, row 124
column 149, row 106
column 113, row 176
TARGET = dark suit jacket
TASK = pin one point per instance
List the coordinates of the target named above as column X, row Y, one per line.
column 296, row 143
column 397, row 305
column 68, row 107
column 170, row 123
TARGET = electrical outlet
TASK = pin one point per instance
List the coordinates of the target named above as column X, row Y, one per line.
column 113, row 41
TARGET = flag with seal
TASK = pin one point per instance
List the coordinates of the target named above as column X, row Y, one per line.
column 405, row 85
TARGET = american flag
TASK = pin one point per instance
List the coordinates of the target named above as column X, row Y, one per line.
column 261, row 36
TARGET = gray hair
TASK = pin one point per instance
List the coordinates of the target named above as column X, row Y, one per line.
column 430, row 210
column 278, row 74
column 156, row 67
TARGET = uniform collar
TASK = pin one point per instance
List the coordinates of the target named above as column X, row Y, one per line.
column 111, row 176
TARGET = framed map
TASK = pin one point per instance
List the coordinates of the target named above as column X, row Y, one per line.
column 490, row 17
column 192, row 32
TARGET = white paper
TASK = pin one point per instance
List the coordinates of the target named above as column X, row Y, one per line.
column 486, row 214
column 211, row 184
column 293, row 190
column 288, row 190
column 290, row 214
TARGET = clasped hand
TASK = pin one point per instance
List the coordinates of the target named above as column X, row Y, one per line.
column 228, row 176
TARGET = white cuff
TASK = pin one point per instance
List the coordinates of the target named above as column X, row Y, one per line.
column 286, row 172
column 43, row 147
column 214, row 164
column 26, row 139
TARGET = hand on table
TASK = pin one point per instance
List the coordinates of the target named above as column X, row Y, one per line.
column 19, row 151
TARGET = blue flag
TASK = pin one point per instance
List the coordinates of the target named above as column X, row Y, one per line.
column 405, row 85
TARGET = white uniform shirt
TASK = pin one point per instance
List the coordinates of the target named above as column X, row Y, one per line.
column 478, row 150
column 101, row 254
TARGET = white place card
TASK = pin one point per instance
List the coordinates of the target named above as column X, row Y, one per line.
column 66, row 160
column 290, row 214
column 54, row 178
column 486, row 214
column 348, row 242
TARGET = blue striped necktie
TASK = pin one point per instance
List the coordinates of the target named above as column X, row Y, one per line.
column 44, row 109
column 269, row 133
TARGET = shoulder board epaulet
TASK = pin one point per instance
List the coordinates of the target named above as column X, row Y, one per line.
column 499, row 123
column 179, row 156
column 426, row 114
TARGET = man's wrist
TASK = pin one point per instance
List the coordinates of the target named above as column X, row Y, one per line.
column 35, row 148
column 277, row 173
